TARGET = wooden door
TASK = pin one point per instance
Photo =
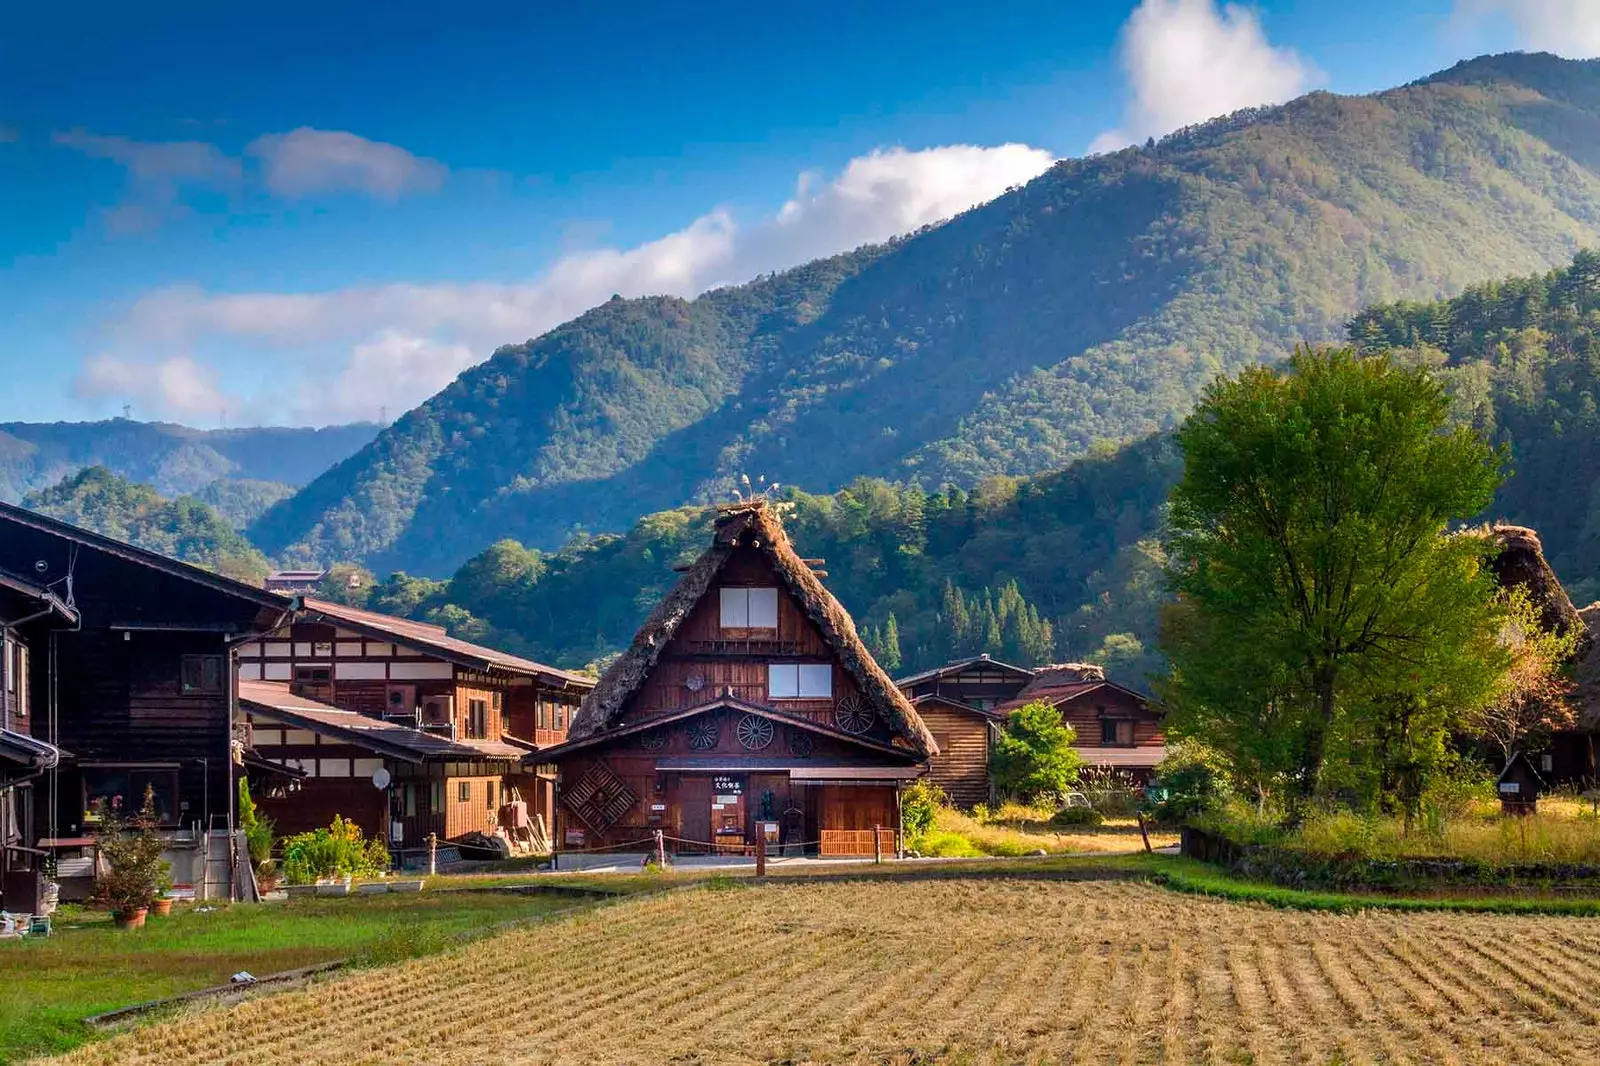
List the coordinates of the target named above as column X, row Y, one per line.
column 694, row 812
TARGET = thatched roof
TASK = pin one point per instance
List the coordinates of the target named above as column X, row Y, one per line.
column 752, row 523
column 1521, row 561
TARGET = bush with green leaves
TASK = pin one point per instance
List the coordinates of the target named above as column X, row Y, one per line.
column 335, row 852
column 257, row 830
column 1192, row 778
column 1077, row 816
column 1035, row 756
column 919, row 805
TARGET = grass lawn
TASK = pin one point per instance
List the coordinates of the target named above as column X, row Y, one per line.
column 983, row 963
column 48, row 986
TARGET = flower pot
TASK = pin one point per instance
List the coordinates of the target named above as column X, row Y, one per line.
column 338, row 888
column 131, row 918
column 406, row 886
column 161, row 908
column 300, row 891
column 372, row 888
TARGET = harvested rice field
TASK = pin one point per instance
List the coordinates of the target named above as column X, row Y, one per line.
column 979, row 970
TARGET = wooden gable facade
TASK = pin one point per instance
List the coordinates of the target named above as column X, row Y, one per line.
column 459, row 719
column 957, row 701
column 1117, row 727
column 745, row 707
column 136, row 692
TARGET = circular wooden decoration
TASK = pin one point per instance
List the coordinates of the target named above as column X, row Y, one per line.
column 654, row 740
column 754, row 731
column 853, row 715
column 704, row 733
column 694, row 682
column 800, row 744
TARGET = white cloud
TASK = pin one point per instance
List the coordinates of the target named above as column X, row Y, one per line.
column 175, row 387
column 306, row 161
column 1190, row 60
column 349, row 351
column 1568, row 28
column 159, row 172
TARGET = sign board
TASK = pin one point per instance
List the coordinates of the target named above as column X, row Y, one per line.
column 658, row 806
column 718, row 806
column 574, row 837
column 733, row 785
column 1510, row 787
column 727, row 801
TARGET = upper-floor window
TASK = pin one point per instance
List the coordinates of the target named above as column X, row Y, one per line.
column 477, row 719
column 202, row 675
column 15, row 665
column 799, row 681
column 313, row 675
column 1116, row 732
column 744, row 608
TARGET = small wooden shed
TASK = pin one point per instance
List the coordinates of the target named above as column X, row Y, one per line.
column 1519, row 786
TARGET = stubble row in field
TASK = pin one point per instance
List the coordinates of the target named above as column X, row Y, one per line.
column 980, row 970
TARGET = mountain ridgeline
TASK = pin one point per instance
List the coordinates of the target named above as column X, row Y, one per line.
column 173, row 459
column 1068, row 564
column 1089, row 306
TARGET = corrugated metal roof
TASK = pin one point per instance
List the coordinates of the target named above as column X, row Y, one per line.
column 435, row 639
column 389, row 738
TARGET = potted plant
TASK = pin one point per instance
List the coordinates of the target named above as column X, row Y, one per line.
column 161, row 905
column 132, row 852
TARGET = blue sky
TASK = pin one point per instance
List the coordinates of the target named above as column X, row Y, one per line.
column 309, row 213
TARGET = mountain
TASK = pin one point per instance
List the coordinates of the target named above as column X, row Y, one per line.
column 173, row 459
column 1066, row 565
column 1088, row 306
column 183, row 528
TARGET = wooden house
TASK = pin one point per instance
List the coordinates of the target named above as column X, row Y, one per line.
column 1116, row 726
column 957, row 702
column 27, row 612
column 747, row 704
column 340, row 693
column 135, row 691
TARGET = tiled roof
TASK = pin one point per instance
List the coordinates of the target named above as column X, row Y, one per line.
column 386, row 738
column 435, row 639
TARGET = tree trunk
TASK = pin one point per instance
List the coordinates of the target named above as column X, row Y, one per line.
column 1317, row 737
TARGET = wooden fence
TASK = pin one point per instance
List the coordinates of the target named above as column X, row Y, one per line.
column 856, row 843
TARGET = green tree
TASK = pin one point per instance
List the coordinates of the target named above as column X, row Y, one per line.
column 1308, row 548
column 890, row 657
column 1034, row 755
column 347, row 583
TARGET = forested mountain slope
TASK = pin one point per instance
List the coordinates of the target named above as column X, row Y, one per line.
column 183, row 528
column 1067, row 564
column 1090, row 305
column 173, row 459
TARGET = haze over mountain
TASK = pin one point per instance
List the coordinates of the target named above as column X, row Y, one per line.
column 1089, row 306
column 174, row 459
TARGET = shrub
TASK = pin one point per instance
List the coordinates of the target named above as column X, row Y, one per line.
column 1191, row 780
column 257, row 831
column 943, row 844
column 337, row 851
column 918, row 806
column 1077, row 816
column 1034, row 756
column 132, row 851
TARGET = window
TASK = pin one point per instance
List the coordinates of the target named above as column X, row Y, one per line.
column 1116, row 733
column 435, row 796
column 494, row 700
column 749, row 608
column 561, row 716
column 14, row 664
column 464, row 792
column 799, row 681
column 123, row 788
column 477, row 719
column 22, row 681
column 202, row 675
column 544, row 714
column 313, row 675
column 488, row 791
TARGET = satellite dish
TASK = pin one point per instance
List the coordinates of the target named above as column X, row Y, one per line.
column 380, row 778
